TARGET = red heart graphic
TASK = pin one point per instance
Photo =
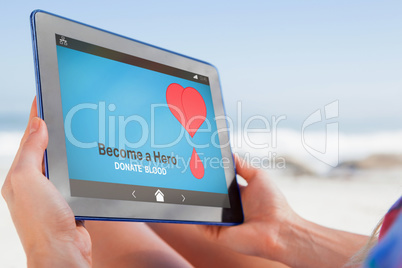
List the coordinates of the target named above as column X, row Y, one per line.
column 196, row 165
column 187, row 105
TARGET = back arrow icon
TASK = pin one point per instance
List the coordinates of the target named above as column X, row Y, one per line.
column 183, row 198
column 134, row 194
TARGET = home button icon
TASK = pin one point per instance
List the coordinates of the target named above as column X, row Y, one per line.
column 159, row 196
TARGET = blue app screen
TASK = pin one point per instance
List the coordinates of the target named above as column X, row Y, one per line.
column 128, row 125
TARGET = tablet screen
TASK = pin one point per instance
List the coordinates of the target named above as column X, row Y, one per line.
column 138, row 130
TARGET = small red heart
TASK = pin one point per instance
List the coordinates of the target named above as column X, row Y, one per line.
column 196, row 165
column 187, row 105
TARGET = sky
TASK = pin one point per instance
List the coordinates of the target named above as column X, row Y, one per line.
column 275, row 57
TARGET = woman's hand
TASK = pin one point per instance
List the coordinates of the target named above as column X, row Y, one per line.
column 44, row 221
column 266, row 214
column 272, row 230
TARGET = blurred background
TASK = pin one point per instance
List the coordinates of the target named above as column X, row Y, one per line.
column 313, row 89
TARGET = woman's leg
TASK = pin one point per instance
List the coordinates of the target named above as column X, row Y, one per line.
column 189, row 241
column 128, row 244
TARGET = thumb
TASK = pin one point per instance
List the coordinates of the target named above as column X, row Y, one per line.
column 33, row 148
column 245, row 170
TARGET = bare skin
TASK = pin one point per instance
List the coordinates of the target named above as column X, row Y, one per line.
column 43, row 219
column 125, row 244
column 191, row 243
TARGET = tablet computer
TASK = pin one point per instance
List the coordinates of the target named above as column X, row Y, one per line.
column 136, row 132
